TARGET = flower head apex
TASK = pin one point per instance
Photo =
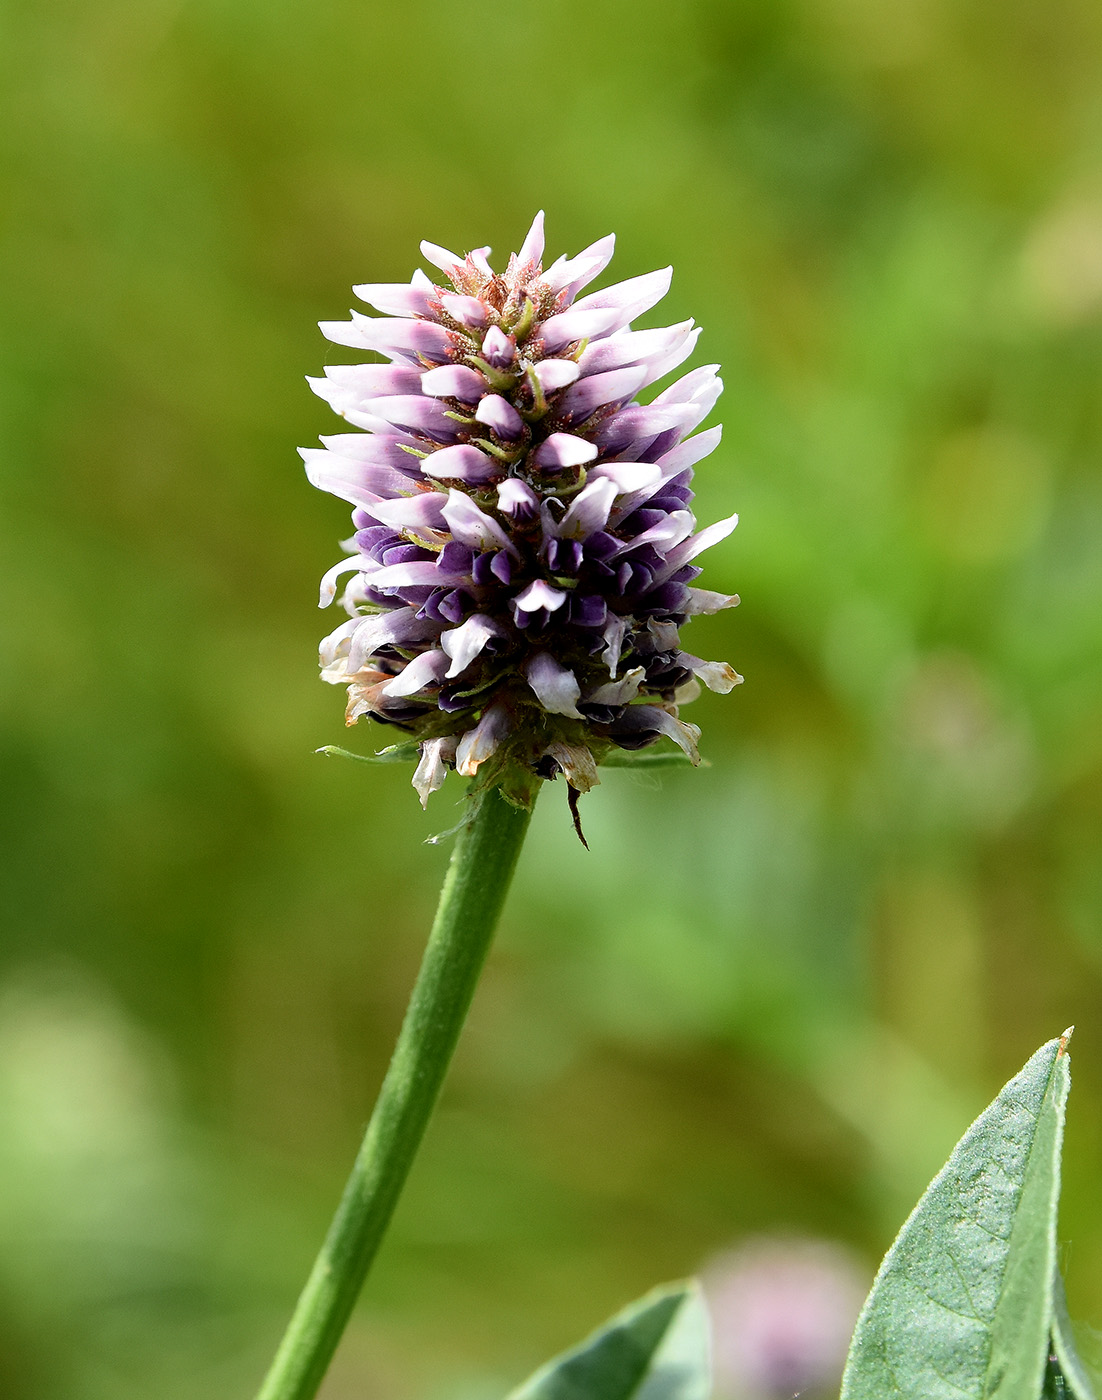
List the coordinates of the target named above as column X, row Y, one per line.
column 523, row 552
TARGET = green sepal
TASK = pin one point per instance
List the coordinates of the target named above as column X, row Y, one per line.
column 396, row 753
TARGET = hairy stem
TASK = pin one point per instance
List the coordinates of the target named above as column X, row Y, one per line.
column 477, row 881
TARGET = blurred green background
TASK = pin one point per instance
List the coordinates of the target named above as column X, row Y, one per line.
column 777, row 989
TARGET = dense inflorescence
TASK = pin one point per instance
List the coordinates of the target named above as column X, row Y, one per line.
column 523, row 551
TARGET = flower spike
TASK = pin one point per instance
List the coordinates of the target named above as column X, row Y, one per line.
column 523, row 532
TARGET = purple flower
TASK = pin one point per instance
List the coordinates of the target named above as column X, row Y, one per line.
column 523, row 546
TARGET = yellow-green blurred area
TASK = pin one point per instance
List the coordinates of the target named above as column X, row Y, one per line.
column 776, row 990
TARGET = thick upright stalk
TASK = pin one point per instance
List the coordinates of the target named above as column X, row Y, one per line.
column 478, row 878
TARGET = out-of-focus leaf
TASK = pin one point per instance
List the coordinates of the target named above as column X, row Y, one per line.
column 1075, row 1377
column 656, row 1349
column 646, row 758
column 396, row 753
column 962, row 1306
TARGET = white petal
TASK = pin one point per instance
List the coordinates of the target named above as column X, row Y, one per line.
column 627, row 476
column 564, row 450
column 703, row 601
column 620, row 692
column 396, row 298
column 556, row 686
column 465, row 642
column 555, row 374
column 716, row 675
column 479, row 743
column 463, row 462
column 433, row 767
column 631, row 298
column 614, row 633
column 418, row 573
column 420, row 512
column 440, row 257
column 559, row 331
column 571, row 274
column 329, row 578
column 453, row 381
column 664, row 535
column 577, row 764
column 385, row 629
column 469, row 525
column 425, row 669
column 690, row 548
column 589, row 510
column 540, row 595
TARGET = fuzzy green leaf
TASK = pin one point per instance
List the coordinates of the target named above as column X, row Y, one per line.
column 962, row 1306
column 656, row 1349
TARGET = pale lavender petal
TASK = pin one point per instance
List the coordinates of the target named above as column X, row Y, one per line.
column 700, row 388
column 555, row 374
column 643, row 717
column 660, row 365
column 418, row 573
column 620, row 692
column 556, row 686
column 531, row 250
column 397, row 298
column 633, row 347
column 588, row 511
column 329, row 578
column 382, row 449
column 453, row 382
column 441, row 258
column 631, row 298
column 478, row 258
column 425, row 669
column 387, row 629
column 359, row 483
column 417, row 413
column 500, row 415
column 420, row 512
column 568, row 326
column 540, row 595
column 335, row 647
column 702, row 602
column 430, row 773
column 478, row 744
column 632, row 429
column 498, row 349
column 367, row 381
column 516, row 498
column 391, row 337
column 563, row 450
column 465, row 642
column 615, row 386
column 570, row 275
column 665, row 534
column 469, row 525
column 468, row 311
column 688, row 549
column 614, row 633
column 460, row 463
column 678, row 459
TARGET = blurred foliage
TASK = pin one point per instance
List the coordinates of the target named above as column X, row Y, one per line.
column 777, row 990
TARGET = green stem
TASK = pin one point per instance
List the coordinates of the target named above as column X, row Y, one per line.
column 478, row 878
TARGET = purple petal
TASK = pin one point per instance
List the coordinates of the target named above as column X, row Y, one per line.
column 359, row 483
column 420, row 573
column 417, row 413
column 468, row 311
column 368, row 381
column 472, row 526
column 540, row 595
column 556, row 686
column 460, row 463
column 696, row 544
column 500, row 415
column 381, row 449
column 616, row 386
column 498, row 349
column 453, row 382
column 568, row 326
column 563, row 450
column 397, row 298
column 664, row 534
column 631, row 429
